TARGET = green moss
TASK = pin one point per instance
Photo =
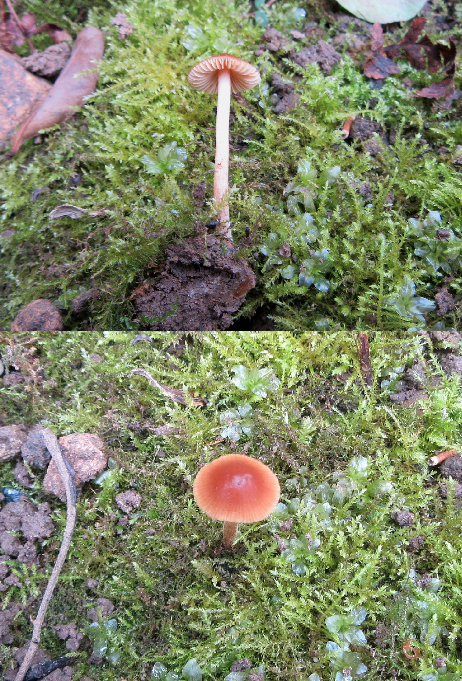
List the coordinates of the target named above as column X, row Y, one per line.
column 346, row 457
column 143, row 102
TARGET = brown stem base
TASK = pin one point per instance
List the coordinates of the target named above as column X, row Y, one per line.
column 229, row 533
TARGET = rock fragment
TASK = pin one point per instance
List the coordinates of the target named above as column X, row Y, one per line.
column 39, row 315
column 11, row 440
column 84, row 452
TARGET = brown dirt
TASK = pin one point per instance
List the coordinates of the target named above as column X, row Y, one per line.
column 127, row 501
column 40, row 315
column 452, row 467
column 49, row 62
column 202, row 284
column 322, row 53
column 444, row 301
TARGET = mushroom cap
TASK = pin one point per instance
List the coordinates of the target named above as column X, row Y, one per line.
column 236, row 488
column 204, row 76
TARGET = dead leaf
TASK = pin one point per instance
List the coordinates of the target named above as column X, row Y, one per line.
column 411, row 652
column 445, row 88
column 422, row 55
column 67, row 210
column 378, row 65
column 21, row 93
column 172, row 393
column 9, row 34
column 125, row 27
column 76, row 81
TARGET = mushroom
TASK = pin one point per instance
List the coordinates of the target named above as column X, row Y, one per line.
column 236, row 488
column 223, row 74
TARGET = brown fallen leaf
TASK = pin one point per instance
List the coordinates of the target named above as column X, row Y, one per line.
column 69, row 90
column 378, row 65
column 21, row 92
column 422, row 55
column 67, row 210
column 411, row 652
column 172, row 393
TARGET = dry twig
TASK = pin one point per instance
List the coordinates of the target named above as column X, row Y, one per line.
column 66, row 473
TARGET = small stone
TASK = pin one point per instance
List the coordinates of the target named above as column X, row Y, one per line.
column 403, row 518
column 39, row 315
column 21, row 475
column 82, row 302
column 49, row 62
column 96, row 359
column 13, row 378
column 125, row 27
column 84, row 452
column 363, row 129
column 408, row 397
column 415, row 375
column 452, row 468
column 444, row 301
column 10, row 544
column 365, row 190
column 452, row 364
column 127, row 501
column 34, row 451
column 240, row 665
column 104, row 608
column 11, row 440
column 92, row 583
column 322, row 53
column 373, row 147
column 416, row 543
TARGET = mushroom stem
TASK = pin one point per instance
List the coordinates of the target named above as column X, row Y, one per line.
column 229, row 533
column 220, row 183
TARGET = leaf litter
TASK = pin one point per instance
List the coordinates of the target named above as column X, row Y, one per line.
column 422, row 54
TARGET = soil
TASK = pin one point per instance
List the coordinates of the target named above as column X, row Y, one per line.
column 49, row 62
column 39, row 315
column 202, row 284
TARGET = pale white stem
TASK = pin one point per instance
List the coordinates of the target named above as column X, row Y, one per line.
column 220, row 183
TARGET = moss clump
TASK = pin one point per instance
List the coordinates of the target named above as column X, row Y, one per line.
column 329, row 578
column 369, row 249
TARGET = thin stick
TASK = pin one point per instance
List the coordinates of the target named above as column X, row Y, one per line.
column 18, row 21
column 65, row 472
column 439, row 458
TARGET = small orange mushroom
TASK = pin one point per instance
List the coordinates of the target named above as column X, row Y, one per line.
column 236, row 488
column 222, row 75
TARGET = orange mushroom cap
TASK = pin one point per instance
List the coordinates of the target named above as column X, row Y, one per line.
column 204, row 76
column 236, row 488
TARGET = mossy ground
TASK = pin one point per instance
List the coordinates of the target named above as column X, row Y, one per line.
column 143, row 102
column 177, row 595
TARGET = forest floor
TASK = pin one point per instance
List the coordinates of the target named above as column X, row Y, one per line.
column 333, row 226
column 355, row 575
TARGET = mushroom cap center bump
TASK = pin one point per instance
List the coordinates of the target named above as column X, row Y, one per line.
column 236, row 488
column 204, row 76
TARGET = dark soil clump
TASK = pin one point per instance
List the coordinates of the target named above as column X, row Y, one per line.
column 202, row 284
